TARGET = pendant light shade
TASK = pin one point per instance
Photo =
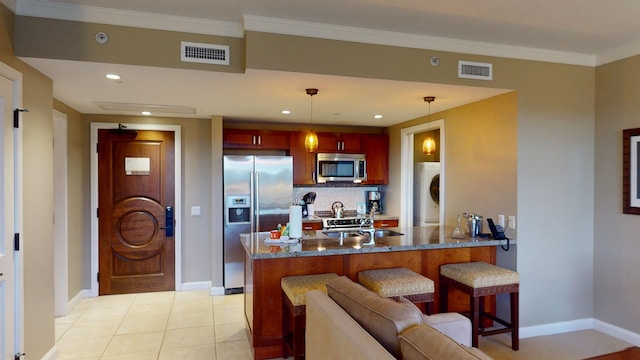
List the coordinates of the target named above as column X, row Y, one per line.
column 429, row 144
column 311, row 140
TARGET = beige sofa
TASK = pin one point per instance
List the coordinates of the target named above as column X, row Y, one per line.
column 352, row 322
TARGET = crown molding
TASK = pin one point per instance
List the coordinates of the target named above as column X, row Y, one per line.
column 618, row 53
column 347, row 33
column 100, row 15
column 10, row 4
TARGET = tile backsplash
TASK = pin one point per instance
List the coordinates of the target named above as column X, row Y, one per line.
column 326, row 196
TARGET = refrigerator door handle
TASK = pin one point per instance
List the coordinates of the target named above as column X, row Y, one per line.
column 252, row 216
column 257, row 200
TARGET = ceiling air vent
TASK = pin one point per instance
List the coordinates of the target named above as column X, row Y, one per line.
column 204, row 53
column 475, row 70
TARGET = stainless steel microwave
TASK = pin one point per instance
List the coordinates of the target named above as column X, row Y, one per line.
column 341, row 167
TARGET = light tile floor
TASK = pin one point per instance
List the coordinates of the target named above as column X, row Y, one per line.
column 163, row 325
column 194, row 325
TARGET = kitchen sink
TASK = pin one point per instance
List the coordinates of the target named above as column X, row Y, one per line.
column 351, row 233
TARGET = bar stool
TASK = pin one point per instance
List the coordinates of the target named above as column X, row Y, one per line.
column 480, row 279
column 396, row 282
column 294, row 301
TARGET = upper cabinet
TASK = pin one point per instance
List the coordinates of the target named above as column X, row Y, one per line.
column 377, row 153
column 374, row 146
column 304, row 162
column 256, row 139
column 341, row 142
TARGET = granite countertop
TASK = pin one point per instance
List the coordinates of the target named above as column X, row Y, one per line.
column 318, row 243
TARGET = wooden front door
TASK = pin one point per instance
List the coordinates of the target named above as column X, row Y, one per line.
column 135, row 209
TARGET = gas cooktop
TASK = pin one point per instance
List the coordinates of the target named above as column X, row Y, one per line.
column 346, row 222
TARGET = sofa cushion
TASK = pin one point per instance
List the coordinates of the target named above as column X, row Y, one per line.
column 452, row 324
column 423, row 342
column 383, row 318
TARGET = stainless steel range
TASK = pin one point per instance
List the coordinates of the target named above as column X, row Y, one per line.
column 347, row 223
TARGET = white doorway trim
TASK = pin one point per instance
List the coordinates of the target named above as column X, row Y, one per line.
column 94, row 197
column 60, row 214
column 406, row 187
column 18, row 203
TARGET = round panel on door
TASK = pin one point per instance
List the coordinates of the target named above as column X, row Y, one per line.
column 434, row 189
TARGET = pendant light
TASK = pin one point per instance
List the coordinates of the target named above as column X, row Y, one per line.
column 311, row 140
column 429, row 144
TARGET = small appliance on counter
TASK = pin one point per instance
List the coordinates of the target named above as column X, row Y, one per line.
column 374, row 200
column 307, row 204
column 474, row 223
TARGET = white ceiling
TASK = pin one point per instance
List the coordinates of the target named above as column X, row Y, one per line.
column 585, row 32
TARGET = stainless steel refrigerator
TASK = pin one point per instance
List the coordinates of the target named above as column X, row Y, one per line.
column 258, row 191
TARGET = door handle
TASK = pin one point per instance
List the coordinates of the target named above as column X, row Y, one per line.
column 168, row 221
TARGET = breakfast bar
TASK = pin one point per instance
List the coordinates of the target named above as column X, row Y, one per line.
column 420, row 249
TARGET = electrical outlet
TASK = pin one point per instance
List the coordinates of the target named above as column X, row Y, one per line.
column 501, row 220
column 512, row 222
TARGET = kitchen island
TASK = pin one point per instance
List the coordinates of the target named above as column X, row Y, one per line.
column 421, row 249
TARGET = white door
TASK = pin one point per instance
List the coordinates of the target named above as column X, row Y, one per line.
column 7, row 221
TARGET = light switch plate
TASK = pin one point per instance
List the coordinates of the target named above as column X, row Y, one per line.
column 501, row 220
column 195, row 211
column 512, row 222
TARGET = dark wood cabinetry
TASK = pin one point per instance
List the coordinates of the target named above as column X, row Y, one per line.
column 377, row 153
column 263, row 294
column 304, row 162
column 385, row 223
column 256, row 139
column 374, row 146
column 340, row 142
column 311, row 225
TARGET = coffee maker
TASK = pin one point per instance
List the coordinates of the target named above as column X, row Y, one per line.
column 374, row 200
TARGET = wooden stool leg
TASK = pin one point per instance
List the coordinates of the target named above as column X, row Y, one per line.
column 429, row 308
column 285, row 330
column 298, row 336
column 475, row 320
column 444, row 295
column 515, row 337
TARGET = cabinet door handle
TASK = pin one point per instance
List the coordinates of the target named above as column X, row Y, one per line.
column 253, row 140
column 308, row 227
column 259, row 139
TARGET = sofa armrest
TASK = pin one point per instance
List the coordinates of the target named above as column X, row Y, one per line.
column 454, row 325
column 332, row 334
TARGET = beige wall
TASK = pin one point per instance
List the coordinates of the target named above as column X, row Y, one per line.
column 616, row 240
column 480, row 167
column 75, row 185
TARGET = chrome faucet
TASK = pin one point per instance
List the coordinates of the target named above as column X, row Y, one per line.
column 368, row 225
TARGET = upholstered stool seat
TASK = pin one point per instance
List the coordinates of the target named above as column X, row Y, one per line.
column 294, row 301
column 480, row 279
column 396, row 282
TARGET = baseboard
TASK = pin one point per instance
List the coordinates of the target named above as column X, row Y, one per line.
column 217, row 290
column 556, row 328
column 52, row 354
column 617, row 332
column 75, row 301
column 196, row 285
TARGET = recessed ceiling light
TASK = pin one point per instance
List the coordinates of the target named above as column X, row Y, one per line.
column 113, row 76
column 286, row 112
column 377, row 116
column 146, row 113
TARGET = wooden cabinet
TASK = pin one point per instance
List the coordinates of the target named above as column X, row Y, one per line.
column 385, row 223
column 340, row 142
column 255, row 139
column 377, row 153
column 311, row 225
column 304, row 162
